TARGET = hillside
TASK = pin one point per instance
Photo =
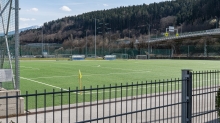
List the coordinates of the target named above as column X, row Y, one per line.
column 131, row 22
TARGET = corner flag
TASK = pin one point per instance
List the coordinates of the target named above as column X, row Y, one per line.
column 80, row 75
column 80, row 82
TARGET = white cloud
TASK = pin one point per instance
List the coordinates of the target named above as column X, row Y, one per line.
column 27, row 19
column 34, row 9
column 105, row 4
column 65, row 8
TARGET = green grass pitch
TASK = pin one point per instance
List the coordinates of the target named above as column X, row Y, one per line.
column 48, row 75
column 40, row 75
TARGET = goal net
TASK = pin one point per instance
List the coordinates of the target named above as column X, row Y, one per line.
column 90, row 55
column 66, row 57
column 78, row 57
column 8, row 51
column 110, row 57
column 120, row 55
column 141, row 57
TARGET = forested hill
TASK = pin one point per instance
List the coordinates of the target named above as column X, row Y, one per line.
column 193, row 15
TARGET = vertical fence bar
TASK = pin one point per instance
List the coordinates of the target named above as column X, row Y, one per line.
column 45, row 104
column 69, row 104
column 97, row 94
column 167, row 100
column 200, row 88
column 36, row 105
column 163, row 100
column 132, row 102
column 115, row 100
column 84, row 100
column 171, row 100
column 6, row 107
column 26, row 107
column 210, row 94
column 207, row 95
column 175, row 99
column 196, row 84
column 136, row 100
column 77, row 92
column 126, row 102
column 216, row 89
column 155, row 91
column 53, row 104
column 141, row 101
column 159, row 100
column 186, row 96
column 61, row 106
column 146, row 101
column 90, row 103
column 110, row 96
column 121, row 102
column 103, row 103
column 151, row 99
column 17, row 106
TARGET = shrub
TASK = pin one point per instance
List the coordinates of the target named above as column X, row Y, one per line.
column 217, row 102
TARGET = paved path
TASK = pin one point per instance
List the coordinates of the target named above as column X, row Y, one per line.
column 170, row 113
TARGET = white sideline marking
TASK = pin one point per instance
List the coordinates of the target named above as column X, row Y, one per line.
column 30, row 68
column 106, row 90
column 44, row 83
column 91, row 74
column 104, row 67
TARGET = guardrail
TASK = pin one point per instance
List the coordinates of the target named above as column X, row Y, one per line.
column 187, row 34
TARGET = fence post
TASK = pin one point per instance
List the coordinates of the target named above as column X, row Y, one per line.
column 186, row 96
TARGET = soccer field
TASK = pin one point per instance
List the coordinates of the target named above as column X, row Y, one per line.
column 49, row 75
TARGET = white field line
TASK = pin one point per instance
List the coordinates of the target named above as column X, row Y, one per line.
column 99, row 66
column 30, row 68
column 92, row 75
column 44, row 83
column 139, row 87
column 112, row 90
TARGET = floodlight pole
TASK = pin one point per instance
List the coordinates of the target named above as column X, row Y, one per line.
column 86, row 43
column 42, row 41
column 95, row 38
column 149, row 42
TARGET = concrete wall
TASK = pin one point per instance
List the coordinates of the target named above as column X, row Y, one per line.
column 10, row 104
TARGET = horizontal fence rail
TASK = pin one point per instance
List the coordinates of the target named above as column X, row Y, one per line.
column 155, row 101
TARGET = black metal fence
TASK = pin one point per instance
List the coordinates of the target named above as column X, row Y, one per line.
column 189, row 99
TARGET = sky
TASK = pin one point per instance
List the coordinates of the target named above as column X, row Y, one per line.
column 37, row 12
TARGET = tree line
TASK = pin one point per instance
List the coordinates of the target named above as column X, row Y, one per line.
column 127, row 22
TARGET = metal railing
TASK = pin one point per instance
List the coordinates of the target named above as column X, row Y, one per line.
column 187, row 35
column 189, row 99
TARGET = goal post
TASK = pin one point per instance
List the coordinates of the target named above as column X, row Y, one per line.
column 9, row 44
column 110, row 57
column 143, row 57
column 120, row 55
column 60, row 57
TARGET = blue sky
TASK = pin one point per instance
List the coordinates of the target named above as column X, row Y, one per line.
column 36, row 12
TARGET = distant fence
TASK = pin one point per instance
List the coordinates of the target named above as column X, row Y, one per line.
column 183, row 51
column 189, row 99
